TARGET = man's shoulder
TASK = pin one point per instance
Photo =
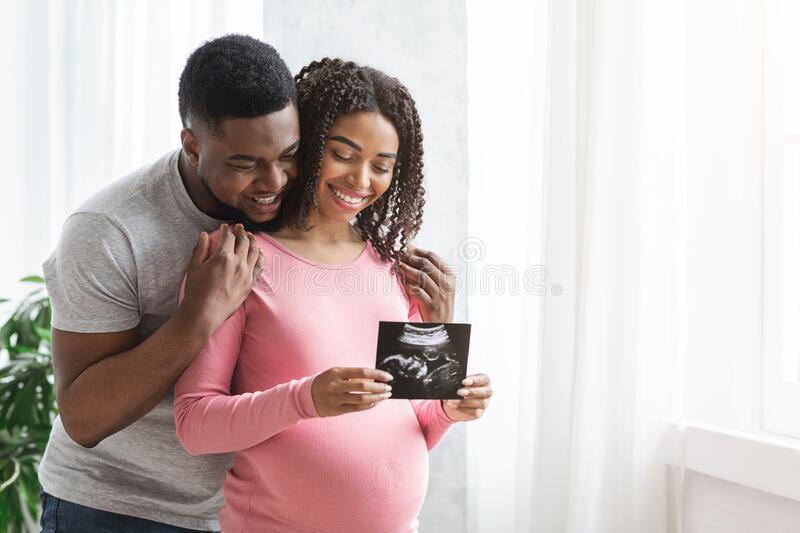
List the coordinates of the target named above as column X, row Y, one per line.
column 126, row 196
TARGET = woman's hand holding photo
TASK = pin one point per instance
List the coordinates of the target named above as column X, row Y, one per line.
column 345, row 390
column 475, row 396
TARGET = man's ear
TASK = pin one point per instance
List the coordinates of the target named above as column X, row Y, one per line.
column 190, row 146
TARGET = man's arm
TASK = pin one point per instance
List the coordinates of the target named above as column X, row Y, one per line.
column 107, row 381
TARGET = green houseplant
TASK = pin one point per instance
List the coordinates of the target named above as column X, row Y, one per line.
column 27, row 407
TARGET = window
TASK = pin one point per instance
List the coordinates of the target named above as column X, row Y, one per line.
column 782, row 218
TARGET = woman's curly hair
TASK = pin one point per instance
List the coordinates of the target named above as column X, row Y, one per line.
column 330, row 88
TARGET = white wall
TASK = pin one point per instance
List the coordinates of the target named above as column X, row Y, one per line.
column 711, row 505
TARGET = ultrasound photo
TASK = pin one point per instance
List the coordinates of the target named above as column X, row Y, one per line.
column 428, row 361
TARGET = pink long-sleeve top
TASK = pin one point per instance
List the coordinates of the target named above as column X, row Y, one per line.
column 249, row 392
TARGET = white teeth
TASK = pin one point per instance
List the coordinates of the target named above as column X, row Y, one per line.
column 345, row 198
column 266, row 200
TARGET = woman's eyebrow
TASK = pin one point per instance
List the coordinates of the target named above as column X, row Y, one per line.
column 346, row 141
column 352, row 144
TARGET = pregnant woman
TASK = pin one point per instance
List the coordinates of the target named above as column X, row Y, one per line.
column 287, row 381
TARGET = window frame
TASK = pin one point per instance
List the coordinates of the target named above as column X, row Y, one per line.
column 781, row 383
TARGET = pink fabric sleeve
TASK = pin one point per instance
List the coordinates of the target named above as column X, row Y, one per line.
column 208, row 419
column 432, row 420
column 430, row 413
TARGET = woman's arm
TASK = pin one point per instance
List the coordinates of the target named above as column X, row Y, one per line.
column 208, row 419
column 432, row 420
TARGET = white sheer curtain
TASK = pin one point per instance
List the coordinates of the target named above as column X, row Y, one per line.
column 616, row 143
column 92, row 94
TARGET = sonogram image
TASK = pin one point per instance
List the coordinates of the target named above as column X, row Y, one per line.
column 427, row 361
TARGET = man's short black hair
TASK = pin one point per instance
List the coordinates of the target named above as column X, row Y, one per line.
column 235, row 76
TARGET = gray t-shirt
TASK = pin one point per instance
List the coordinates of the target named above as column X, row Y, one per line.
column 120, row 262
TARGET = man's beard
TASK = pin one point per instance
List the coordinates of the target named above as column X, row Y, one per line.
column 236, row 215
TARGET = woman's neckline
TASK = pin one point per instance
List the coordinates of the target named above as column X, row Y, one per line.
column 282, row 247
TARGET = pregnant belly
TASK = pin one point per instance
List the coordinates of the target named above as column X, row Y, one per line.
column 365, row 471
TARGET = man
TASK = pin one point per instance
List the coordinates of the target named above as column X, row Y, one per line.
column 119, row 338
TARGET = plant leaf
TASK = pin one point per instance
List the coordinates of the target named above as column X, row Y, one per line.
column 44, row 333
column 27, row 405
column 7, row 483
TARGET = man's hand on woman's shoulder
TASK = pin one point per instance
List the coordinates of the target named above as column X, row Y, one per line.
column 218, row 281
column 431, row 283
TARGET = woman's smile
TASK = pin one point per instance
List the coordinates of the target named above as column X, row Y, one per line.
column 348, row 198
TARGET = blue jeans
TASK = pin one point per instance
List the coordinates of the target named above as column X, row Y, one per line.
column 61, row 516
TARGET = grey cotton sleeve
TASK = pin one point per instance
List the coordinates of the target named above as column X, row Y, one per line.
column 91, row 277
